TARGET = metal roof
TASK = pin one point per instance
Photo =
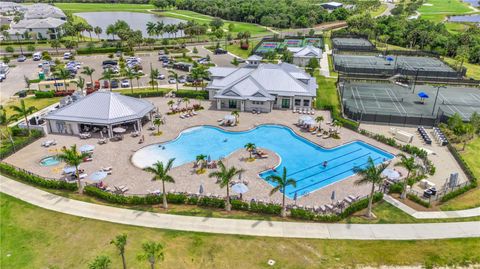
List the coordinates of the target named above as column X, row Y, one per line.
column 103, row 107
column 306, row 52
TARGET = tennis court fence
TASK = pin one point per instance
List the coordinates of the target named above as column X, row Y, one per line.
column 390, row 119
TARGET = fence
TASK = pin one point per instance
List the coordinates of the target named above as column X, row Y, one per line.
column 390, row 119
column 440, row 193
column 387, row 78
column 8, row 149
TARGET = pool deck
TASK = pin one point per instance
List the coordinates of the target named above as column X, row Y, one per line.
column 118, row 154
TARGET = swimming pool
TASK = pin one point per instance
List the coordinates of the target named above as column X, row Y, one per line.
column 49, row 161
column 302, row 158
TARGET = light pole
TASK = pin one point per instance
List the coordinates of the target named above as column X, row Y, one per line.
column 416, row 77
column 436, row 97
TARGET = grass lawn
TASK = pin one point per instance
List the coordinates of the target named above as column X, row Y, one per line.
column 39, row 103
column 37, row 238
column 473, row 70
column 437, row 10
column 96, row 7
column 333, row 73
column 326, row 92
column 378, row 11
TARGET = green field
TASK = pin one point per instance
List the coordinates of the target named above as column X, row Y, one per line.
column 96, row 7
column 437, row 10
column 39, row 103
column 37, row 238
column 326, row 92
column 473, row 70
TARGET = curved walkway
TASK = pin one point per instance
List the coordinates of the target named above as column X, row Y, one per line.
column 57, row 203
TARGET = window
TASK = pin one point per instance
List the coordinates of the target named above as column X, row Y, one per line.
column 298, row 102
column 306, row 102
column 285, row 103
column 257, row 103
column 47, row 86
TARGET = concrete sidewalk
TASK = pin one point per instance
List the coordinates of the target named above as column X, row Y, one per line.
column 60, row 204
column 474, row 212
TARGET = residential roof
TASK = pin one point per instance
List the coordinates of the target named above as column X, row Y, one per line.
column 39, row 23
column 333, row 4
column 42, row 11
column 261, row 83
column 103, row 107
column 306, row 52
column 254, row 57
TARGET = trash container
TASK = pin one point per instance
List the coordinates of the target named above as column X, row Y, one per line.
column 41, row 75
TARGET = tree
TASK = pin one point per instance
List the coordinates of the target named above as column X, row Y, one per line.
column 201, row 160
column 100, row 262
column 250, row 147
column 237, row 115
column 287, row 56
column 170, row 104
column 5, row 59
column 467, row 132
column 216, row 23
column 63, row 74
column 120, row 242
column 158, row 122
column 319, row 119
column 174, row 75
column 152, row 252
column 130, row 75
column 107, row 74
column 475, row 121
column 23, row 111
column 151, row 28
column 89, row 72
column 27, row 81
column 224, row 178
column 311, row 32
column 89, row 30
column 153, row 76
column 282, row 182
column 4, row 122
column 411, row 166
column 186, row 100
column 98, row 31
column 371, row 174
column 160, row 172
column 235, row 61
column 312, row 65
column 73, row 157
column 55, row 43
column 80, row 83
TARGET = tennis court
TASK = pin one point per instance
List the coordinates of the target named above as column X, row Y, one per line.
column 392, row 65
column 293, row 43
column 398, row 104
column 266, row 45
column 316, row 42
column 349, row 43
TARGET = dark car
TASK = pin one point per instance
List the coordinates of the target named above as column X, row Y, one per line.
column 114, row 83
column 109, row 62
column 21, row 58
column 220, row 51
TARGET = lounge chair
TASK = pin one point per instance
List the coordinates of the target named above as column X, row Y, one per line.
column 194, row 113
column 182, row 116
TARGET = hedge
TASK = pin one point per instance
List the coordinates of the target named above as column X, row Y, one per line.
column 418, row 200
column 48, row 94
column 146, row 94
column 98, row 50
column 265, row 208
column 458, row 192
column 191, row 94
column 7, row 149
column 9, row 170
column 396, row 188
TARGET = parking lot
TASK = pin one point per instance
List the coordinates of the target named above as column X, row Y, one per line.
column 15, row 78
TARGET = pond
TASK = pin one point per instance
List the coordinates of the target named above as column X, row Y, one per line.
column 472, row 2
column 465, row 18
column 137, row 21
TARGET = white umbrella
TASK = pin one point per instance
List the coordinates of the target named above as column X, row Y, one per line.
column 391, row 174
column 229, row 117
column 86, row 148
column 69, row 169
column 240, row 188
column 310, row 122
column 97, row 176
column 119, row 130
column 304, row 118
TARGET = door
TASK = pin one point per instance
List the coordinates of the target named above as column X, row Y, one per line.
column 285, row 103
column 232, row 103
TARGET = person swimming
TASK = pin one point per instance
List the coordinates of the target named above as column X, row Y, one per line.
column 325, row 163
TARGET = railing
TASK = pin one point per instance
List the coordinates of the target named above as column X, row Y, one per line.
column 439, row 194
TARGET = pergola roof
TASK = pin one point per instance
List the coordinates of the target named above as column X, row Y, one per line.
column 103, row 108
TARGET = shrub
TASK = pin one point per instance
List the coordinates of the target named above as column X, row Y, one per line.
column 30, row 47
column 176, row 198
column 48, row 94
column 458, row 192
column 396, row 188
column 192, row 200
column 239, row 205
column 211, row 202
column 24, row 176
column 418, row 200
column 9, row 49
column 265, row 208
column 106, row 196
column 191, row 94
column 359, row 205
column 145, row 94
column 91, row 50
column 302, row 214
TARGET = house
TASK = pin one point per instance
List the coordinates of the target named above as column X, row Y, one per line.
column 11, row 7
column 261, row 87
column 48, row 28
column 43, row 11
column 100, row 111
column 301, row 56
column 331, row 5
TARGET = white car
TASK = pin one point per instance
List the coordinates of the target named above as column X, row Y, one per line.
column 67, row 55
column 161, row 76
column 125, row 83
column 172, row 80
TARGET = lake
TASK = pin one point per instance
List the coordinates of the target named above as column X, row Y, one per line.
column 137, row 21
column 465, row 18
column 472, row 2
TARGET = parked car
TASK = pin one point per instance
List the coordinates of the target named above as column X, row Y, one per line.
column 118, row 54
column 240, row 60
column 67, row 55
column 161, row 76
column 37, row 56
column 106, row 84
column 21, row 58
column 3, row 76
column 97, row 85
column 114, row 83
column 172, row 80
column 109, row 62
column 190, row 79
column 125, row 83
column 163, row 58
column 202, row 60
column 182, row 79
column 165, row 64
column 220, row 51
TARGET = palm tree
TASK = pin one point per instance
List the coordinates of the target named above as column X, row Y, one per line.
column 120, row 242
column 89, row 72
column 152, row 252
column 174, row 75
column 159, row 28
column 130, row 75
column 73, row 157
column 100, row 262
column 151, row 28
column 153, row 76
column 237, row 115
column 108, row 75
column 157, row 122
column 201, row 159
column 186, row 100
column 250, row 147
column 97, row 30
column 55, row 43
column 170, row 104
column 80, row 83
column 224, row 177
column 282, row 183
column 319, row 119
column 4, row 122
column 23, row 111
column 63, row 74
column 89, row 30
column 160, row 172
column 411, row 166
column 370, row 174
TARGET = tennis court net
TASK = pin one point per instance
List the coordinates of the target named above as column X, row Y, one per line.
column 378, row 99
column 460, row 103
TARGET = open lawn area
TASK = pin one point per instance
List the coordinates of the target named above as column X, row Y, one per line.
column 378, row 11
column 37, row 238
column 473, row 70
column 39, row 103
column 326, row 92
column 437, row 10
column 96, row 7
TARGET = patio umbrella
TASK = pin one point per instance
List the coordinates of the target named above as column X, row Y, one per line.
column 391, row 174
column 86, row 148
column 97, row 176
column 295, row 197
column 304, row 118
column 389, row 58
column 332, row 197
column 69, row 169
column 240, row 188
column 310, row 122
column 200, row 190
column 209, row 159
column 119, row 130
column 422, row 95
column 240, row 176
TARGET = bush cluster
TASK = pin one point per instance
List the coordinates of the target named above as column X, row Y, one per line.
column 191, row 94
column 458, row 192
column 396, row 188
column 7, row 149
column 91, row 50
column 47, row 94
column 145, row 94
column 21, row 175
column 418, row 200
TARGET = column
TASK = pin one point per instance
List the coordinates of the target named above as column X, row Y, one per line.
column 219, row 104
column 110, row 131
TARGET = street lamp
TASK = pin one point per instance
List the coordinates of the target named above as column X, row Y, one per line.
column 436, row 96
column 416, row 77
